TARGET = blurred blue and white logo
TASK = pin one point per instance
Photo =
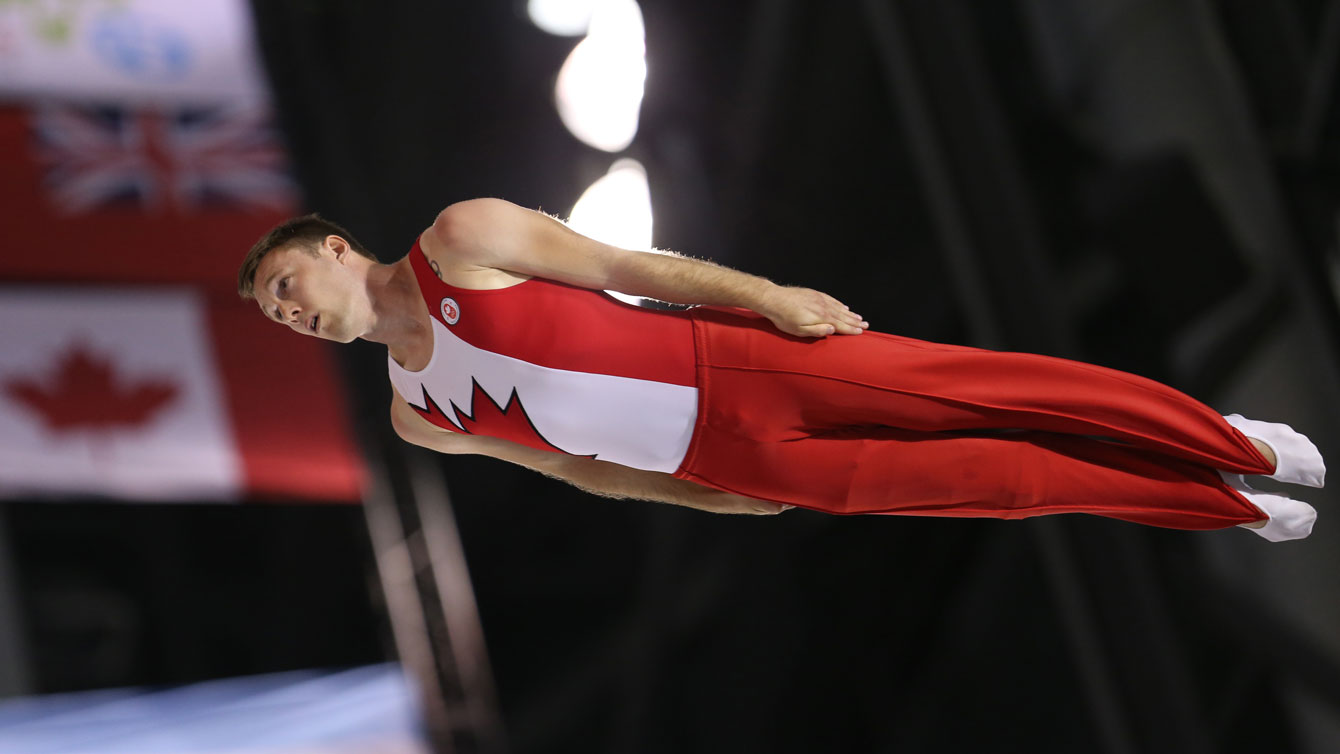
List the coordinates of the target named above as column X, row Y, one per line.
column 132, row 52
column 139, row 46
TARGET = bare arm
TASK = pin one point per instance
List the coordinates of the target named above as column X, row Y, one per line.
column 597, row 477
column 497, row 234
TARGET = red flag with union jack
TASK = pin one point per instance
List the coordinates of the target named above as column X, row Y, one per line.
column 173, row 388
column 173, row 159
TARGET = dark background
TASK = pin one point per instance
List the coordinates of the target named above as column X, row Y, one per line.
column 1148, row 186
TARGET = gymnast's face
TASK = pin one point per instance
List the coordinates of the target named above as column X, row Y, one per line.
column 317, row 294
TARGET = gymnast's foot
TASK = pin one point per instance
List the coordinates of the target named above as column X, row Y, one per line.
column 1296, row 459
column 1286, row 518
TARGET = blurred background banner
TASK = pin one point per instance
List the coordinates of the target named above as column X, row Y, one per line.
column 367, row 710
column 112, row 192
column 140, row 150
column 112, row 393
column 119, row 194
column 138, row 163
column 129, row 50
column 153, row 394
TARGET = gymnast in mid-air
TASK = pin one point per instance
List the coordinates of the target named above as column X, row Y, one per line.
column 502, row 341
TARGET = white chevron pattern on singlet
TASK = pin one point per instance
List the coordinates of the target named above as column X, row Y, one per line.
column 639, row 423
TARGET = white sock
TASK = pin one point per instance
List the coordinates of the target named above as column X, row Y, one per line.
column 1289, row 518
column 1297, row 460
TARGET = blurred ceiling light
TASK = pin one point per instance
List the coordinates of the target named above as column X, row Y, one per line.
column 600, row 86
column 617, row 210
column 565, row 18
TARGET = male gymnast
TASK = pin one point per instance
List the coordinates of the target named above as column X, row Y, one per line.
column 501, row 341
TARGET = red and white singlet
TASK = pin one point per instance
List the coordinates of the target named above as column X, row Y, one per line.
column 558, row 368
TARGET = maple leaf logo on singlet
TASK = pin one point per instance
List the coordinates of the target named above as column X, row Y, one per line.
column 505, row 422
column 86, row 394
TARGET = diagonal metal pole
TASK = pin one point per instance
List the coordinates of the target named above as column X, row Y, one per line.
column 464, row 655
column 409, row 625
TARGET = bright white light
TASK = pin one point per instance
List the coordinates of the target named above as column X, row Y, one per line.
column 617, row 210
column 618, row 19
column 565, row 18
column 600, row 85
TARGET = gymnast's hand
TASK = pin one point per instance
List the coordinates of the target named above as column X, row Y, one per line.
column 810, row 313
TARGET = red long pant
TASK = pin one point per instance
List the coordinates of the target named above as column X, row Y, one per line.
column 877, row 423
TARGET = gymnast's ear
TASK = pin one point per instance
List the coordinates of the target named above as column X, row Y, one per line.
column 339, row 246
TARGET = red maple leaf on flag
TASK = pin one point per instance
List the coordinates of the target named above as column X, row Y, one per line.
column 507, row 422
column 84, row 393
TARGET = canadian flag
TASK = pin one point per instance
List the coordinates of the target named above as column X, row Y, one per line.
column 156, row 394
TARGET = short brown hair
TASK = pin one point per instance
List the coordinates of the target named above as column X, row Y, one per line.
column 308, row 231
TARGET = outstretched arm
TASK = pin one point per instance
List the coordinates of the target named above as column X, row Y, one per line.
column 597, row 477
column 497, row 234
